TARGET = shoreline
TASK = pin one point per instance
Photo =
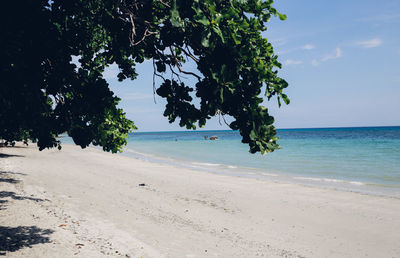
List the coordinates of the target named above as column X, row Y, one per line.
column 361, row 187
column 179, row 212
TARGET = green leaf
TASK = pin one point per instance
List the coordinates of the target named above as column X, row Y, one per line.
column 175, row 18
column 205, row 40
column 285, row 99
column 252, row 135
column 236, row 39
column 202, row 19
column 282, row 17
column 217, row 30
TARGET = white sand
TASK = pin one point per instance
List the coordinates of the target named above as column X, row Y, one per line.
column 91, row 205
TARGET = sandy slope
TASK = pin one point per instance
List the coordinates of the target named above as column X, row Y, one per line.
column 86, row 203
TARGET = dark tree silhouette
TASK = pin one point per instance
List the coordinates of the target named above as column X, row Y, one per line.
column 44, row 94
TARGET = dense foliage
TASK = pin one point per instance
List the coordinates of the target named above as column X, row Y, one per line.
column 44, row 94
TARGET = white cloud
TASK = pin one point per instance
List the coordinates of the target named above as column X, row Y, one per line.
column 375, row 42
column 292, row 62
column 308, row 47
column 338, row 53
column 335, row 55
column 315, row 62
column 295, row 49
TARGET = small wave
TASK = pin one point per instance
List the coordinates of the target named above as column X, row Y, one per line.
column 356, row 183
column 148, row 156
column 331, row 180
column 308, row 178
column 207, row 164
column 232, row 167
column 334, row 180
column 268, row 174
column 138, row 153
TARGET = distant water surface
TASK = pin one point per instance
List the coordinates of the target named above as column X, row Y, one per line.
column 365, row 159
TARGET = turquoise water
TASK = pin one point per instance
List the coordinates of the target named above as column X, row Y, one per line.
column 364, row 159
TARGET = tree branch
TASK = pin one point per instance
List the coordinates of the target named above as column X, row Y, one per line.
column 167, row 5
column 179, row 66
column 187, row 53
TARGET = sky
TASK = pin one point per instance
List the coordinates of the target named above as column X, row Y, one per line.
column 341, row 59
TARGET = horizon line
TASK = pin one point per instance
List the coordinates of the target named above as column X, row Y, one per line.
column 290, row 128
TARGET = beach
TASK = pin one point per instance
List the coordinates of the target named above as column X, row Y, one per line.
column 87, row 203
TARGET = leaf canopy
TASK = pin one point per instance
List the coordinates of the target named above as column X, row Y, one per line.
column 43, row 93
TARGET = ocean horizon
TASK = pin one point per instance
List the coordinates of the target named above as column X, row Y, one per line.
column 278, row 129
column 362, row 159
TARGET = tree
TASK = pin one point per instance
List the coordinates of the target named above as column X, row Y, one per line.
column 44, row 94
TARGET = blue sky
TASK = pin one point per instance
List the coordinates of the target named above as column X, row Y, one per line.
column 341, row 59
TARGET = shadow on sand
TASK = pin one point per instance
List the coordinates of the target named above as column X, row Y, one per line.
column 2, row 202
column 11, row 173
column 5, row 177
column 13, row 239
column 8, row 180
column 12, row 195
column 3, row 155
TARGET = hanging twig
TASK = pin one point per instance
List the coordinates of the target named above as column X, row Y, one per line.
column 220, row 114
column 187, row 53
column 167, row 5
column 180, row 68
column 154, row 82
column 146, row 34
column 133, row 32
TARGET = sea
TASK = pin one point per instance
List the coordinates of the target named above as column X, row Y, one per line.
column 360, row 159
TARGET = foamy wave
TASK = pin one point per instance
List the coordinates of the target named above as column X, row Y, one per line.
column 147, row 156
column 308, row 178
column 268, row 174
column 333, row 180
column 207, row 164
column 138, row 153
column 330, row 180
column 356, row 183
